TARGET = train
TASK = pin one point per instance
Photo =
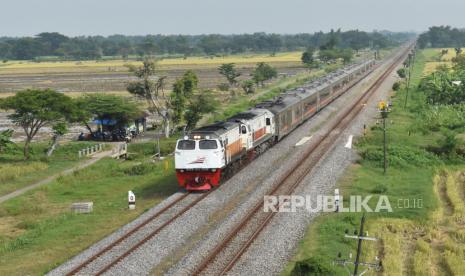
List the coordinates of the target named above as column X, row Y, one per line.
column 207, row 155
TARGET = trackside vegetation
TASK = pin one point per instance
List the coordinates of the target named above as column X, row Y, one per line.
column 41, row 220
column 40, row 232
column 16, row 173
column 424, row 184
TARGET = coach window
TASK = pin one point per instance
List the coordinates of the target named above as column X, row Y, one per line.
column 186, row 145
column 268, row 121
column 243, row 129
column 208, row 144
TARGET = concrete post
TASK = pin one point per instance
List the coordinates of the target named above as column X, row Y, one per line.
column 131, row 200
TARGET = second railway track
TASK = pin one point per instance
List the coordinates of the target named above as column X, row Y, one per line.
column 225, row 255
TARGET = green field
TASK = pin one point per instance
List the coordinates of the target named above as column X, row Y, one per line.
column 426, row 240
column 38, row 231
column 15, row 172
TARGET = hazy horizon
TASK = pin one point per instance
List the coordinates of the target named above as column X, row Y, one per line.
column 143, row 17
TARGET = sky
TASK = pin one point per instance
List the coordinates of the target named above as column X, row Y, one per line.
column 141, row 17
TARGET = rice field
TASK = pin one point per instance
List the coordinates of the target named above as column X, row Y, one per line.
column 199, row 60
column 441, row 60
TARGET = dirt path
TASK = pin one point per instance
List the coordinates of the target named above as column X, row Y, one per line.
column 49, row 179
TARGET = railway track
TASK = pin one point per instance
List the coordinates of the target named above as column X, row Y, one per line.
column 226, row 254
column 119, row 249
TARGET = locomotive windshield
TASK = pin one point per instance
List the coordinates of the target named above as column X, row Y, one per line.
column 208, row 144
column 186, row 145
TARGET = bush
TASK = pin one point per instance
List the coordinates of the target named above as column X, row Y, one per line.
column 400, row 156
column 379, row 189
column 140, row 169
column 433, row 118
column 396, row 86
column 311, row 266
column 402, row 73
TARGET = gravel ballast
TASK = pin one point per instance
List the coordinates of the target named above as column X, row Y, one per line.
column 183, row 244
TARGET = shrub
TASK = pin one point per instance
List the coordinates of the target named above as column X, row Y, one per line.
column 400, row 156
column 140, row 169
column 379, row 189
column 311, row 266
column 396, row 86
column 402, row 73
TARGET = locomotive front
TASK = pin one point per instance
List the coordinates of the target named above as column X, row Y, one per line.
column 199, row 159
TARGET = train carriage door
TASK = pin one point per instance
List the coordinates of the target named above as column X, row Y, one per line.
column 268, row 125
column 246, row 137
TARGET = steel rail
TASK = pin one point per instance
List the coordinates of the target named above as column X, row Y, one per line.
column 134, row 230
column 340, row 124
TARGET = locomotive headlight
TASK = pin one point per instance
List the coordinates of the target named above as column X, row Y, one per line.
column 213, row 170
column 182, row 171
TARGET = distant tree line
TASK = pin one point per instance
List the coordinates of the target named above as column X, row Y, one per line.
column 442, row 36
column 95, row 47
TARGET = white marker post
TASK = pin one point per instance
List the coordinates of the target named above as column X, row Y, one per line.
column 349, row 142
column 131, row 200
column 336, row 199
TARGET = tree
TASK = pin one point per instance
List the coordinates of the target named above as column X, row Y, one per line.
column 307, row 57
column 52, row 42
column 263, row 72
column 190, row 82
column 199, row 105
column 177, row 101
column 248, row 86
column 332, row 41
column 110, row 107
column 333, row 54
column 346, row 55
column 151, row 88
column 440, row 87
column 34, row 109
column 5, row 139
column 228, row 70
column 183, row 91
column 91, row 47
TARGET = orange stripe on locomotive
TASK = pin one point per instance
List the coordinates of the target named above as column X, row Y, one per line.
column 234, row 148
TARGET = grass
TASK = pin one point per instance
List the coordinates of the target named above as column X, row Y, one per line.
column 426, row 238
column 15, row 172
column 38, row 230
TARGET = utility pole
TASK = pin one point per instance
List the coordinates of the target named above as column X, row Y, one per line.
column 357, row 263
column 411, row 60
column 383, row 108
